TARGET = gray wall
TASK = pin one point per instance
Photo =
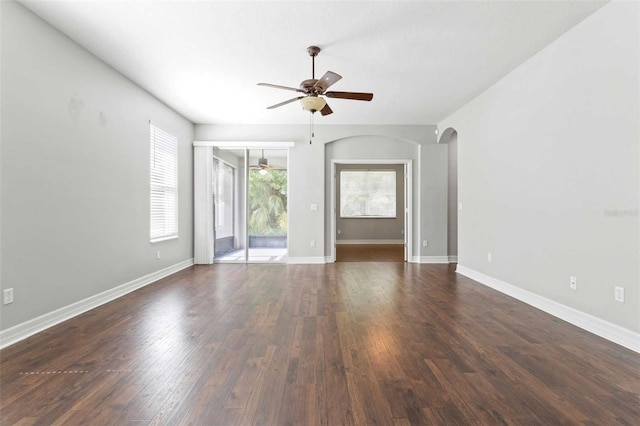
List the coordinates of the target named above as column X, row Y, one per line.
column 75, row 172
column 309, row 170
column 548, row 170
column 380, row 229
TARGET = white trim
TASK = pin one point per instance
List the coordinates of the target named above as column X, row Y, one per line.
column 246, row 144
column 430, row 259
column 306, row 260
column 453, row 259
column 370, row 242
column 612, row 332
column 29, row 328
column 161, row 239
column 203, row 243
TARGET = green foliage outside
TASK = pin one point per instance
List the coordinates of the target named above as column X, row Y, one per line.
column 268, row 202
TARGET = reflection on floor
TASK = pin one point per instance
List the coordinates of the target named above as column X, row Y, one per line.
column 256, row 255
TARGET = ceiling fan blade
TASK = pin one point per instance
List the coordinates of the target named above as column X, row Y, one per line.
column 326, row 110
column 327, row 80
column 280, row 87
column 275, row 167
column 357, row 96
column 285, row 102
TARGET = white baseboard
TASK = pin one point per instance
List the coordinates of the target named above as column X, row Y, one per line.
column 305, row 260
column 430, row 259
column 453, row 259
column 29, row 328
column 369, row 241
column 612, row 332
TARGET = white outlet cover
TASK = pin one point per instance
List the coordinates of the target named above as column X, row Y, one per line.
column 573, row 283
column 619, row 294
column 7, row 296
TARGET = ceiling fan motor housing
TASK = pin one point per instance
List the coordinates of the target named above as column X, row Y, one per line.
column 307, row 85
column 262, row 162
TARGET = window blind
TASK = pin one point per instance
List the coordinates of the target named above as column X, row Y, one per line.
column 164, row 184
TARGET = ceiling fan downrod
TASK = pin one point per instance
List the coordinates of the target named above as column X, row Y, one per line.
column 313, row 52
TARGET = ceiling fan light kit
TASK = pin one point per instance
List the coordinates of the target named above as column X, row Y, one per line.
column 312, row 103
column 313, row 89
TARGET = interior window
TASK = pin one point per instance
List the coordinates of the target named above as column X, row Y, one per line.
column 367, row 194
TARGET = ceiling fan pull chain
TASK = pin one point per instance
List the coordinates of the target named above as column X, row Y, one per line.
column 310, row 127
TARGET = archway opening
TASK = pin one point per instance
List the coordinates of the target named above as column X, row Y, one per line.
column 450, row 137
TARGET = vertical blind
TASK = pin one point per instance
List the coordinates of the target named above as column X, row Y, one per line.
column 164, row 184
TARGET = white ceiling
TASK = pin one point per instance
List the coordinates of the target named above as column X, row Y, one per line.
column 421, row 59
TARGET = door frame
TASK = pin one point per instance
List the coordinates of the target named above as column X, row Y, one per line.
column 246, row 146
column 408, row 202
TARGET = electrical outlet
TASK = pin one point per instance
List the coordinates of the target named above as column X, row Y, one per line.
column 8, row 296
column 312, row 243
column 619, row 294
column 573, row 283
column 489, row 257
column 158, row 254
column 339, row 231
column 425, row 243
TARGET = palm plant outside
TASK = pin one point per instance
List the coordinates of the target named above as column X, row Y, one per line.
column 268, row 203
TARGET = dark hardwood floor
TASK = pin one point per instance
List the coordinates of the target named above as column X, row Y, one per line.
column 369, row 252
column 344, row 343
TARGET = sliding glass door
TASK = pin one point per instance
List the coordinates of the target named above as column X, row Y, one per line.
column 250, row 204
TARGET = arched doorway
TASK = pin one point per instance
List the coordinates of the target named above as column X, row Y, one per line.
column 378, row 152
column 450, row 137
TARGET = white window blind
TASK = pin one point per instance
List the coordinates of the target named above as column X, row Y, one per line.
column 164, row 184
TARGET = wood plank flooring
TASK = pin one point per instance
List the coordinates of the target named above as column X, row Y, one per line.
column 369, row 252
column 338, row 344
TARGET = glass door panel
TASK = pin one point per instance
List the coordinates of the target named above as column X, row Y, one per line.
column 229, row 195
column 267, row 205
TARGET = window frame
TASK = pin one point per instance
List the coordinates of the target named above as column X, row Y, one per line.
column 342, row 215
column 163, row 181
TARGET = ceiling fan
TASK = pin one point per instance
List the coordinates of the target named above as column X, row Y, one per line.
column 313, row 89
column 263, row 165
